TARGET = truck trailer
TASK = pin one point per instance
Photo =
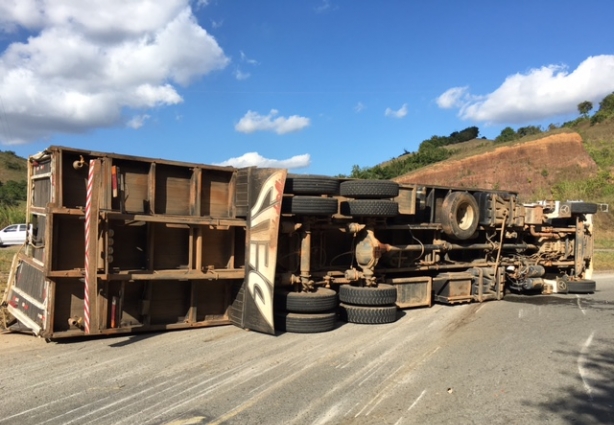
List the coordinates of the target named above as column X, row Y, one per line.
column 122, row 244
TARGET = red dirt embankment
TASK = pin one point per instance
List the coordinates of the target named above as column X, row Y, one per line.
column 528, row 168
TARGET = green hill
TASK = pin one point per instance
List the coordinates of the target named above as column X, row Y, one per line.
column 13, row 188
column 12, row 167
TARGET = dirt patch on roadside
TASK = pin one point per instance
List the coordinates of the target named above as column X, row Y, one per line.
column 526, row 168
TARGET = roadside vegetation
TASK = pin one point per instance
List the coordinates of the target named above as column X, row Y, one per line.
column 13, row 188
column 430, row 151
column 6, row 258
column 13, row 193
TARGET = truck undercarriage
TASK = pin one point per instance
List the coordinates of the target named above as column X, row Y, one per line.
column 122, row 244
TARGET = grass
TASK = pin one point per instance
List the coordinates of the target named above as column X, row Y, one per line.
column 12, row 215
column 6, row 259
column 603, row 261
column 8, row 215
column 12, row 167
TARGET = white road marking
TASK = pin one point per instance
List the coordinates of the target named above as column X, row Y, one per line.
column 40, row 407
column 191, row 421
column 417, row 400
column 353, row 407
column 254, row 400
column 329, row 415
column 479, row 308
column 582, row 370
column 381, row 397
column 363, row 408
column 579, row 305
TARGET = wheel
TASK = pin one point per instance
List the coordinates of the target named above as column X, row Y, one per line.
column 382, row 294
column 309, row 205
column 370, row 208
column 305, row 323
column 583, row 286
column 311, row 185
column 583, row 208
column 460, row 215
column 320, row 301
column 368, row 315
column 369, row 189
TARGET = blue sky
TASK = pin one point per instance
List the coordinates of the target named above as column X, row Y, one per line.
column 315, row 86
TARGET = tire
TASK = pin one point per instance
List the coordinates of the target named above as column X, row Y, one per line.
column 460, row 215
column 305, row 323
column 320, row 301
column 311, row 185
column 309, row 205
column 581, row 286
column 369, row 189
column 583, row 208
column 382, row 294
column 370, row 208
column 368, row 315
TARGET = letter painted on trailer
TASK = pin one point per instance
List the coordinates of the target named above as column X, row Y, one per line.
column 263, row 229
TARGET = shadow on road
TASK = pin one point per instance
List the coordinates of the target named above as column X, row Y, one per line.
column 134, row 338
column 591, row 400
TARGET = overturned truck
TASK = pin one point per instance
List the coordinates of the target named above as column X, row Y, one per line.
column 121, row 244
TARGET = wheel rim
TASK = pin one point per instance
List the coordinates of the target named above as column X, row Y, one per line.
column 465, row 216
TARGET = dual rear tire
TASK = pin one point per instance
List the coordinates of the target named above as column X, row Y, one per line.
column 368, row 305
column 370, row 198
column 306, row 312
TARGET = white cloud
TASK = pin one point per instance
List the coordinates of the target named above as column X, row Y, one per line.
column 324, row 7
column 400, row 113
column 137, row 121
column 359, row 107
column 202, row 3
column 540, row 93
column 453, row 98
column 86, row 62
column 239, row 75
column 244, row 58
column 252, row 159
column 253, row 121
column 217, row 24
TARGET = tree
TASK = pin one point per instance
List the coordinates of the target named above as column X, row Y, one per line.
column 12, row 192
column 469, row 133
column 606, row 109
column 507, row 135
column 528, row 130
column 584, row 108
column 429, row 151
column 607, row 104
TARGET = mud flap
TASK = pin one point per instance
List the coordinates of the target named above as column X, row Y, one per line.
column 27, row 298
column 265, row 192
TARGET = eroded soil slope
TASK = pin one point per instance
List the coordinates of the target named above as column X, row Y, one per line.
column 530, row 168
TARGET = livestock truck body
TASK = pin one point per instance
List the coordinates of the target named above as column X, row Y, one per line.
column 121, row 244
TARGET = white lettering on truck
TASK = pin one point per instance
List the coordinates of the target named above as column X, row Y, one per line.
column 264, row 223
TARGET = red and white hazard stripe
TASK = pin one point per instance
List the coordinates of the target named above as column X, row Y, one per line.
column 88, row 221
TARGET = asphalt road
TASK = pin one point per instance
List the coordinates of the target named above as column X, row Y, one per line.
column 524, row 360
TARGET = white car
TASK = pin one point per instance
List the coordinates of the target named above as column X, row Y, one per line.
column 14, row 234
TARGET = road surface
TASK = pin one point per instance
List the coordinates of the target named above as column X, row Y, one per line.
column 523, row 360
